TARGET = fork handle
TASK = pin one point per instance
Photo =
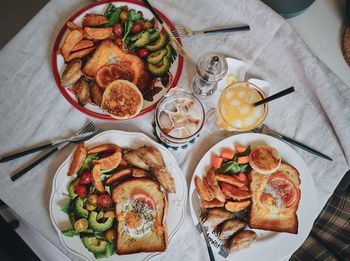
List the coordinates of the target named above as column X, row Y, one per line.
column 227, row 30
column 25, row 152
column 35, row 163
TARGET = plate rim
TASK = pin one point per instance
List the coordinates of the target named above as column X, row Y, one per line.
column 57, row 77
column 192, row 186
column 118, row 132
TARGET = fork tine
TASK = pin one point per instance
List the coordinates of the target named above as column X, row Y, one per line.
column 89, row 127
column 175, row 33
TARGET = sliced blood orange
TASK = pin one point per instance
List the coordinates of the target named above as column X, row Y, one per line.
column 145, row 198
column 112, row 72
column 284, row 188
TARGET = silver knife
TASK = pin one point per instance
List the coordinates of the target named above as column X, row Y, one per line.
column 51, row 152
column 266, row 130
column 73, row 138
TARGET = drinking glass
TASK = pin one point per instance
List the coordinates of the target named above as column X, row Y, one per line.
column 235, row 110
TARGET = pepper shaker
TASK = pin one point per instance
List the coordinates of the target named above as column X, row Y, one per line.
column 211, row 68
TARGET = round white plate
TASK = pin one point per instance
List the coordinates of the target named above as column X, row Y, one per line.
column 269, row 245
column 133, row 140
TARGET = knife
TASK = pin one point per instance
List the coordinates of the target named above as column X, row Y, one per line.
column 268, row 131
column 74, row 138
column 174, row 42
column 50, row 153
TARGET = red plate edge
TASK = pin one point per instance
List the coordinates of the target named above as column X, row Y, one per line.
column 57, row 76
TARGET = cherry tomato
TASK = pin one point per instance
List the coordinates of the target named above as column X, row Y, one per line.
column 137, row 27
column 81, row 225
column 111, row 234
column 104, row 201
column 90, row 207
column 81, row 190
column 109, row 214
column 142, row 52
column 92, row 199
column 147, row 25
column 85, row 178
column 118, row 30
column 124, row 16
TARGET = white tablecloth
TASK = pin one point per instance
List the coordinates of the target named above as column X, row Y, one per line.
column 32, row 110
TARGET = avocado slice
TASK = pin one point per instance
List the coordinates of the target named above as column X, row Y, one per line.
column 99, row 226
column 157, row 56
column 94, row 244
column 78, row 206
column 71, row 188
column 154, row 36
column 110, row 250
column 160, row 68
column 143, row 40
column 158, row 44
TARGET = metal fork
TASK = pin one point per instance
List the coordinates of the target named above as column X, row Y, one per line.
column 264, row 129
column 184, row 32
column 90, row 127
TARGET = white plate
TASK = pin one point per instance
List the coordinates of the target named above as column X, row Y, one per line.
column 269, row 245
column 133, row 140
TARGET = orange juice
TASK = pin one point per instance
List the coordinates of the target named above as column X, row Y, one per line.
column 235, row 110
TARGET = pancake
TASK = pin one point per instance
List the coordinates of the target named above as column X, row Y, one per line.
column 122, row 100
column 264, row 159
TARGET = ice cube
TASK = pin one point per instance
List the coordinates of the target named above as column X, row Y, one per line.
column 237, row 123
column 235, row 103
column 258, row 111
column 244, row 109
column 165, row 120
column 228, row 95
column 249, row 121
column 241, row 94
column 253, row 96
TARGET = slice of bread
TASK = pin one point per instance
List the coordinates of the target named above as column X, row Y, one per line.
column 275, row 200
column 141, row 209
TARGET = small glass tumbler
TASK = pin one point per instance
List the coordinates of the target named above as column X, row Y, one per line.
column 179, row 117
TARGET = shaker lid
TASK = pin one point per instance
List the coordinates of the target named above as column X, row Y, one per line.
column 212, row 67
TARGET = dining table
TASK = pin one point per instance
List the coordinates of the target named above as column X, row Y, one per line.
column 33, row 110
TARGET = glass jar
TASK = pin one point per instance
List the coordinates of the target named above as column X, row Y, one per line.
column 179, row 117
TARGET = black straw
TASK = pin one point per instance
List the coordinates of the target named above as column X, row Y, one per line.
column 275, row 96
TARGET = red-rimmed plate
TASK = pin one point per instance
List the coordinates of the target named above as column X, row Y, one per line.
column 58, row 64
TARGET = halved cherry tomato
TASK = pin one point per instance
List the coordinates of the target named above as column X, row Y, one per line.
column 92, row 199
column 109, row 214
column 81, row 225
column 90, row 207
column 85, row 178
column 142, row 52
column 81, row 190
column 104, row 201
column 111, row 234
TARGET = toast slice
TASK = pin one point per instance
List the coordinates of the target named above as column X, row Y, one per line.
column 141, row 209
column 107, row 53
column 275, row 200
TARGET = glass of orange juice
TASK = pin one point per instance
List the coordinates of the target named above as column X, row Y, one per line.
column 235, row 110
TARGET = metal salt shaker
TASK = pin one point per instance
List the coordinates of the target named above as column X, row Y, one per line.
column 211, row 68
